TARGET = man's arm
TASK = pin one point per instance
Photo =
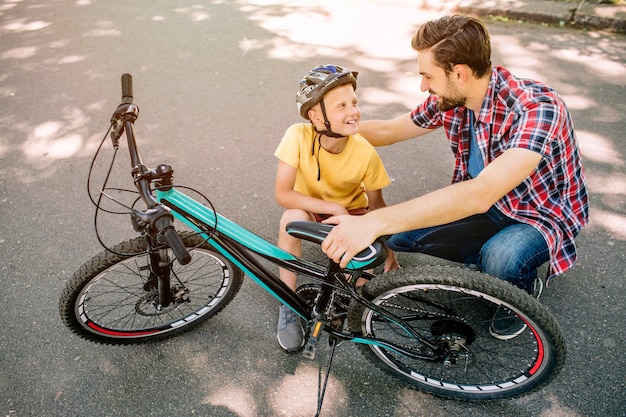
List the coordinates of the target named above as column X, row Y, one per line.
column 386, row 132
column 454, row 202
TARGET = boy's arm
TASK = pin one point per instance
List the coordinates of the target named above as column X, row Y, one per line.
column 289, row 198
column 375, row 199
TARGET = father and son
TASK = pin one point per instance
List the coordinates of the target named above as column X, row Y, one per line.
column 518, row 196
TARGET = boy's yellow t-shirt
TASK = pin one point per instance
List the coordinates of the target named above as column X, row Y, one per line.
column 344, row 177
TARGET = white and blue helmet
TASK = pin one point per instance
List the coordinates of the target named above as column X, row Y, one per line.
column 318, row 82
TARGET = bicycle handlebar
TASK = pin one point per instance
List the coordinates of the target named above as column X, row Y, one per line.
column 127, row 88
column 157, row 216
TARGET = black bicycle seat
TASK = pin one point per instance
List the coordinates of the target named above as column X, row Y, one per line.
column 372, row 256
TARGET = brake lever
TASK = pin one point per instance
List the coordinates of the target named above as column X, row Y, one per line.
column 116, row 132
column 126, row 111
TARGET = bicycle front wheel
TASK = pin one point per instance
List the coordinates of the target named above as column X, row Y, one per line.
column 114, row 298
column 456, row 355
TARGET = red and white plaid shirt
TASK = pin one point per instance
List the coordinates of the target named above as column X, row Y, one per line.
column 521, row 113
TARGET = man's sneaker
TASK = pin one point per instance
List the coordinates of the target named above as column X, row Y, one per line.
column 505, row 325
column 290, row 333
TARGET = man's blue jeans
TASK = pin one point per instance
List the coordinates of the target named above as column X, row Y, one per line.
column 498, row 245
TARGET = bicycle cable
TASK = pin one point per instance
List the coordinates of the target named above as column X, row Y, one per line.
column 208, row 202
column 103, row 188
column 97, row 202
column 103, row 194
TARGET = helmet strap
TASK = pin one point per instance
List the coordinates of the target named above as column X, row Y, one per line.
column 328, row 132
column 318, row 139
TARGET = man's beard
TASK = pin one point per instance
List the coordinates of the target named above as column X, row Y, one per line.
column 449, row 103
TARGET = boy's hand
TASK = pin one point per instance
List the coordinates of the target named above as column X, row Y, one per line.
column 339, row 211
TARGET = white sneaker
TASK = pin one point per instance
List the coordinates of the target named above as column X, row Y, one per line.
column 505, row 325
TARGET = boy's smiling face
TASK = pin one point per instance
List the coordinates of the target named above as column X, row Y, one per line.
column 342, row 111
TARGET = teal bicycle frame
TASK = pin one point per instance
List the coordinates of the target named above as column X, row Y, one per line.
column 239, row 244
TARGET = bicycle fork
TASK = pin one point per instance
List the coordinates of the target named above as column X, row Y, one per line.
column 159, row 259
column 162, row 267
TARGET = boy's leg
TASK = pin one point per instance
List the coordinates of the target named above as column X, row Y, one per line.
column 289, row 243
column 290, row 333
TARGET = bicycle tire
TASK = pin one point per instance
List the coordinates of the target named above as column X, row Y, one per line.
column 109, row 301
column 457, row 304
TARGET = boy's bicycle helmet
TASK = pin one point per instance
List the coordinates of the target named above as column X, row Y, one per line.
column 318, row 82
column 313, row 87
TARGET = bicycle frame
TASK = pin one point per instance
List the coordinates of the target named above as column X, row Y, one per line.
column 233, row 241
column 237, row 244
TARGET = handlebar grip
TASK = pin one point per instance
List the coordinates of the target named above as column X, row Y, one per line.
column 127, row 88
column 177, row 245
column 164, row 224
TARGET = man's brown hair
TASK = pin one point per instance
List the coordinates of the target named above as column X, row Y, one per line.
column 456, row 40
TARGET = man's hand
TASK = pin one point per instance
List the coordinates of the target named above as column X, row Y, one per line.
column 350, row 236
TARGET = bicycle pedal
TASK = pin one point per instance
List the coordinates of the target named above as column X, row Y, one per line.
column 311, row 345
column 310, row 348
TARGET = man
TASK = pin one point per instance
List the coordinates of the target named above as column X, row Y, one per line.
column 518, row 196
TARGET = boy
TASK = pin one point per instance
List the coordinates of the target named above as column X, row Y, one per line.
column 326, row 169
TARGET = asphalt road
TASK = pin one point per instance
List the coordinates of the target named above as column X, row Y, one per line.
column 215, row 82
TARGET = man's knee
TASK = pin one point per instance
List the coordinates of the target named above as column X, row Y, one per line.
column 514, row 254
column 502, row 263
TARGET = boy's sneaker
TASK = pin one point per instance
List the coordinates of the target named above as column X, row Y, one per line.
column 505, row 325
column 290, row 333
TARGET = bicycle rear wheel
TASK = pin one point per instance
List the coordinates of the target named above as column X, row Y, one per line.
column 113, row 299
column 452, row 309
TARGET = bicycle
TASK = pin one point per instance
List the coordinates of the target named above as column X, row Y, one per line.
column 426, row 325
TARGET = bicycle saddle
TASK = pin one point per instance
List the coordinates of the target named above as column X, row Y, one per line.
column 370, row 257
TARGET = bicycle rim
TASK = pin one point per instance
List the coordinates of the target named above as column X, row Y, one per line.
column 469, row 363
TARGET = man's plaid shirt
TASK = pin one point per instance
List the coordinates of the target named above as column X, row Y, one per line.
column 521, row 113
